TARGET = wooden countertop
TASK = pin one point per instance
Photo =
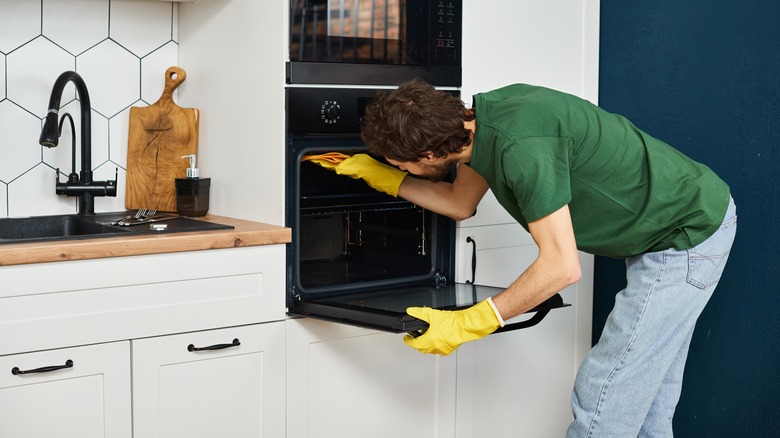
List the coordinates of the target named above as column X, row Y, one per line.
column 245, row 233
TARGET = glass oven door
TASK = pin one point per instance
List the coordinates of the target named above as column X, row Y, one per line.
column 386, row 309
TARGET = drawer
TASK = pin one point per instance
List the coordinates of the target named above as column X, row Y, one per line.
column 228, row 382
column 81, row 391
column 92, row 301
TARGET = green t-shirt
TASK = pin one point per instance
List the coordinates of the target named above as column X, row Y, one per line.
column 628, row 193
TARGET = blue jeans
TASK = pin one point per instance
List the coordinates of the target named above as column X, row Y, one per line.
column 629, row 383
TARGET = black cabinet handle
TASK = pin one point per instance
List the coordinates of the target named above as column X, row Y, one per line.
column 473, row 259
column 68, row 364
column 235, row 343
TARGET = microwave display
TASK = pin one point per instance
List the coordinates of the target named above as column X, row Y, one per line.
column 374, row 42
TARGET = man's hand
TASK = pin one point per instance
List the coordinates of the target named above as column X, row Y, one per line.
column 449, row 329
column 381, row 177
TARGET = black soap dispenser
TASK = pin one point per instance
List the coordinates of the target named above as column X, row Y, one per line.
column 192, row 193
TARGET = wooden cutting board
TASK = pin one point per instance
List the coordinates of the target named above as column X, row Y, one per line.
column 160, row 134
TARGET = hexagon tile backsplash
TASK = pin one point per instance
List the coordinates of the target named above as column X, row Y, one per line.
column 121, row 48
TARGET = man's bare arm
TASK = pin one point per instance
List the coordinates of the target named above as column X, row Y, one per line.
column 457, row 200
column 556, row 267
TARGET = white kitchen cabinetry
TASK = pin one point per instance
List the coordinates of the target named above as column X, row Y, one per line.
column 93, row 311
column 102, row 300
column 519, row 380
column 89, row 399
column 519, row 383
column 236, row 391
column 344, row 381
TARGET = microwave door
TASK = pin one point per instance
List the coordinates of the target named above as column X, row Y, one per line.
column 385, row 309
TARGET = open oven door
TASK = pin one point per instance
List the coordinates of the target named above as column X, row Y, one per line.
column 386, row 309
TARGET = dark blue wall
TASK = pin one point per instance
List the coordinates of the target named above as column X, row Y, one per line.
column 705, row 77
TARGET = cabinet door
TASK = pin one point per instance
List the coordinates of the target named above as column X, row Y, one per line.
column 519, row 382
column 75, row 392
column 349, row 382
column 203, row 385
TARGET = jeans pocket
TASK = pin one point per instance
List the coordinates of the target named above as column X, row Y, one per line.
column 707, row 259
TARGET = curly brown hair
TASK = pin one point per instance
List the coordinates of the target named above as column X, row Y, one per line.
column 407, row 123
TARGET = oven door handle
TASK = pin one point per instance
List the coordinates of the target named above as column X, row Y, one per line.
column 536, row 319
column 554, row 302
column 540, row 312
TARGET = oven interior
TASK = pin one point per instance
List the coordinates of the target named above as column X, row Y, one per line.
column 349, row 237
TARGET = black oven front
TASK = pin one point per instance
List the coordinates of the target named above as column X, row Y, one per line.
column 357, row 255
column 374, row 42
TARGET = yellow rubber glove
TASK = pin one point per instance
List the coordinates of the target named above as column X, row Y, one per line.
column 380, row 176
column 329, row 160
column 449, row 329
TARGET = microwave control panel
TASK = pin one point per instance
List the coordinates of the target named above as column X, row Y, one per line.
column 445, row 29
column 446, row 24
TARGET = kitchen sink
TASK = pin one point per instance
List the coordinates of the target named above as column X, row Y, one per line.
column 74, row 226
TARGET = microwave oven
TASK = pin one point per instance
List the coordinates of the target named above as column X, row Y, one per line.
column 374, row 42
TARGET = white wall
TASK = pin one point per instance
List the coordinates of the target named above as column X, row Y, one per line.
column 237, row 50
column 120, row 47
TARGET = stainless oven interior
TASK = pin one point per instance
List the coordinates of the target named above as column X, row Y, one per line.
column 349, row 237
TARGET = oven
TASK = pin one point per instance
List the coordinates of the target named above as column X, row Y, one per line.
column 359, row 256
column 374, row 42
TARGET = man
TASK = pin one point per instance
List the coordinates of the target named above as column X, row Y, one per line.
column 577, row 178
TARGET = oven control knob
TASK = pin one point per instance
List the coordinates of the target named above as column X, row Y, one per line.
column 330, row 112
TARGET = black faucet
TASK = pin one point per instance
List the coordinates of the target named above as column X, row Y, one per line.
column 80, row 185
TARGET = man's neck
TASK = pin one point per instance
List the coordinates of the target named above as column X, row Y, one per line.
column 464, row 156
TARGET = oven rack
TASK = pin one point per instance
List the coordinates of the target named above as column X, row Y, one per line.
column 357, row 208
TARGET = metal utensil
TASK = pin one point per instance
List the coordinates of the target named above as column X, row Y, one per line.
column 144, row 216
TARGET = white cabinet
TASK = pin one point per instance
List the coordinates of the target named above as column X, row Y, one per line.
column 103, row 300
column 227, row 382
column 90, row 398
column 349, row 382
column 519, row 383
column 237, row 391
column 94, row 312
column 521, row 378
